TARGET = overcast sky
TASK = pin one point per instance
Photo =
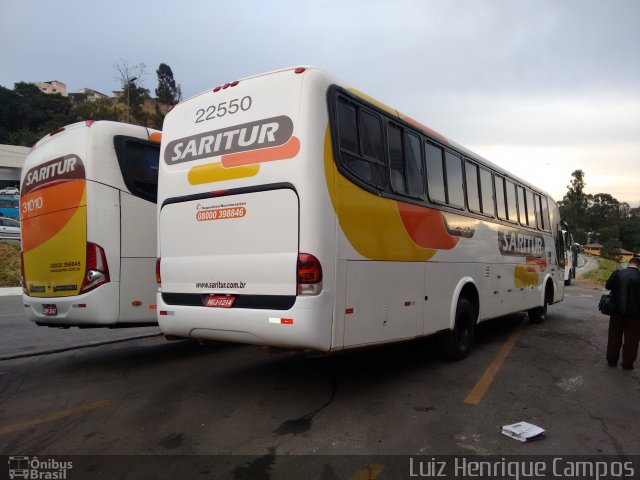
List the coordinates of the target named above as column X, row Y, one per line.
column 541, row 87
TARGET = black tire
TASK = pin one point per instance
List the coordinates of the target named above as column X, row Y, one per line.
column 568, row 281
column 538, row 314
column 456, row 344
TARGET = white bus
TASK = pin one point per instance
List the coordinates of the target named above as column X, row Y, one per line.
column 87, row 204
column 571, row 249
column 295, row 211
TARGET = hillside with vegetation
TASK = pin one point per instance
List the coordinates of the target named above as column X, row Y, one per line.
column 27, row 114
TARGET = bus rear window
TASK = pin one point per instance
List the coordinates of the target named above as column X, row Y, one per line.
column 138, row 161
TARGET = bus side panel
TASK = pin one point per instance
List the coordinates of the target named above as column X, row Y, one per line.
column 386, row 301
column 103, row 223
column 138, row 249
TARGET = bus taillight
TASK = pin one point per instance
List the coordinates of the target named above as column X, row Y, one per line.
column 97, row 270
column 157, row 270
column 309, row 275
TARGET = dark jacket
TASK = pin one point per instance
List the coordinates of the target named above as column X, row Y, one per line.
column 625, row 290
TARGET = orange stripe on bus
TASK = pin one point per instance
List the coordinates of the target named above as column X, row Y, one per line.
column 283, row 152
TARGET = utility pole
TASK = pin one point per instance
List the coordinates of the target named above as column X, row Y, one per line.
column 129, row 81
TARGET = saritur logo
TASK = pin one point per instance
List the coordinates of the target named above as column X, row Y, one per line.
column 265, row 133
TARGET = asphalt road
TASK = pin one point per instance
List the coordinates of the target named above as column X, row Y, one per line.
column 153, row 397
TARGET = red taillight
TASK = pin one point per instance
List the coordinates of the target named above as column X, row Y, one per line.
column 299, row 70
column 57, row 130
column 234, row 83
column 88, row 123
column 23, row 279
column 96, row 270
column 217, row 89
column 309, row 275
column 157, row 270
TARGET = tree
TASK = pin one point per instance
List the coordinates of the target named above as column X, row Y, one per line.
column 575, row 203
column 168, row 91
column 133, row 95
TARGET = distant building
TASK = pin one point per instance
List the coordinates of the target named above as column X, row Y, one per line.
column 86, row 94
column 11, row 163
column 52, row 87
column 592, row 248
column 596, row 249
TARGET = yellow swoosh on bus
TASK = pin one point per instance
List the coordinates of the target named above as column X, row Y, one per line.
column 380, row 228
column 242, row 164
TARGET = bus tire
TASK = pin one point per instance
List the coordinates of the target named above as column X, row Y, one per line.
column 456, row 344
column 538, row 314
column 568, row 281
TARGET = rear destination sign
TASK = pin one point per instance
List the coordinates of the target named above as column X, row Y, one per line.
column 265, row 133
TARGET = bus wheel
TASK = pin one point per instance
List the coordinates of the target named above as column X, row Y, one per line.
column 456, row 344
column 538, row 314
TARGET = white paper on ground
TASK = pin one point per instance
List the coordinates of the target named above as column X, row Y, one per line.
column 523, row 431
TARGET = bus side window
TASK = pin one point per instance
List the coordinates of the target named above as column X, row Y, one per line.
column 360, row 142
column 405, row 162
column 545, row 214
column 138, row 160
column 522, row 210
column 486, row 190
column 414, row 165
column 455, row 182
column 500, row 198
column 512, row 209
column 396, row 163
column 435, row 173
column 531, row 209
column 473, row 191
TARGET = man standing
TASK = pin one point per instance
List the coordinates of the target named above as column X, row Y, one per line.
column 625, row 290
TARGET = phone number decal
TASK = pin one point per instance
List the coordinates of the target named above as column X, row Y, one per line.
column 221, row 214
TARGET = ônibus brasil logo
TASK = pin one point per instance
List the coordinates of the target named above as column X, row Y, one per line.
column 35, row 469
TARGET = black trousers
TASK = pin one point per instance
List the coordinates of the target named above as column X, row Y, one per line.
column 623, row 327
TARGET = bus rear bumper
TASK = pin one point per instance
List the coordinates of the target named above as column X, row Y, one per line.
column 306, row 325
column 99, row 307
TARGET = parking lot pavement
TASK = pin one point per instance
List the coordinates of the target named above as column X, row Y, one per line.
column 149, row 396
column 22, row 337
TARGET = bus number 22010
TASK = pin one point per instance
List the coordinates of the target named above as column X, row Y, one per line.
column 223, row 108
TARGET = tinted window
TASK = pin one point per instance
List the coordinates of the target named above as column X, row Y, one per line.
column 413, row 156
column 394, row 136
column 138, row 161
column 486, row 189
column 522, row 211
column 435, row 176
column 545, row 214
column 371, row 132
column 348, row 126
column 540, row 216
column 455, row 183
column 500, row 198
column 473, row 194
column 512, row 210
column 531, row 209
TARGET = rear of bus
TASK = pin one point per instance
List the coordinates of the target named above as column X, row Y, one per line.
column 78, row 240
column 246, row 230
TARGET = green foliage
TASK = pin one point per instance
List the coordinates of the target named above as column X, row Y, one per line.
column 167, row 92
column 601, row 217
column 27, row 114
column 9, row 264
column 601, row 274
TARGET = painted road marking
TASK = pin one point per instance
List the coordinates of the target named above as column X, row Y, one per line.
column 54, row 417
column 370, row 472
column 480, row 388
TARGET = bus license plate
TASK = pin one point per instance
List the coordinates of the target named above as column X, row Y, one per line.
column 50, row 310
column 220, row 301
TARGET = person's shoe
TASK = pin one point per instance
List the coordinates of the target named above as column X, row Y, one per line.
column 612, row 364
column 627, row 367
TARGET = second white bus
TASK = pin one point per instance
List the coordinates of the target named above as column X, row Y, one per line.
column 295, row 211
column 87, row 204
